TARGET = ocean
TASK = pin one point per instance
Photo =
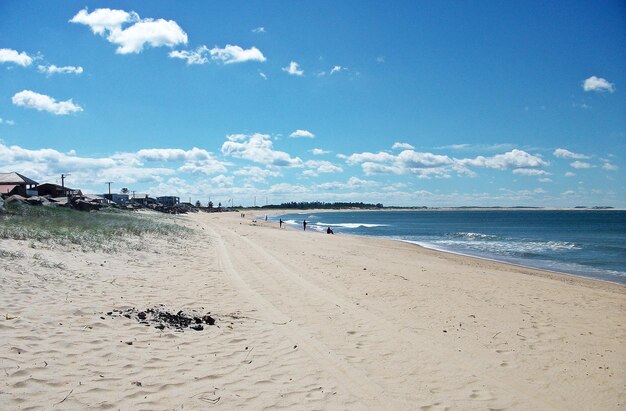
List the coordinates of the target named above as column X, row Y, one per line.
column 588, row 243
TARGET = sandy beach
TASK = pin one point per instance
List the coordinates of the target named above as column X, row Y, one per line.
column 304, row 320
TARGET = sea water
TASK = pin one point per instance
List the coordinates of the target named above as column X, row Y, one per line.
column 589, row 243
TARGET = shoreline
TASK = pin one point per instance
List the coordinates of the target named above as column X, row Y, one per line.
column 445, row 251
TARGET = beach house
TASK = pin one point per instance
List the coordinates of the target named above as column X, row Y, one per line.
column 169, row 201
column 15, row 183
column 55, row 190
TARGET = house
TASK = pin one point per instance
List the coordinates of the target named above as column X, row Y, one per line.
column 55, row 190
column 15, row 183
column 169, row 201
column 120, row 199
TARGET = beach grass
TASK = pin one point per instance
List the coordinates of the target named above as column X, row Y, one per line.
column 105, row 230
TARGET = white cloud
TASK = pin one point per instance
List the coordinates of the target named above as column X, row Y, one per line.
column 223, row 181
column 322, row 166
column 319, row 152
column 262, row 75
column 545, row 180
column 609, row 166
column 512, row 159
column 132, row 39
column 580, row 165
column 302, row 134
column 570, row 174
column 380, row 59
column 380, row 157
column 294, row 69
column 530, row 172
column 256, row 174
column 412, row 159
column 428, row 165
column 235, row 54
column 102, row 20
column 259, row 30
column 7, row 122
column 41, row 102
column 52, row 69
column 13, row 56
column 337, row 69
column 125, row 167
column 197, row 56
column 403, row 146
column 286, row 188
column 598, row 84
column 258, row 148
column 227, row 55
column 563, row 153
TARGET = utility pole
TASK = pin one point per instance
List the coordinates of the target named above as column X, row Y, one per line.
column 63, row 176
column 133, row 193
column 109, row 183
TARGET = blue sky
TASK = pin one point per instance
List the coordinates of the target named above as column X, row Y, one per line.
column 415, row 103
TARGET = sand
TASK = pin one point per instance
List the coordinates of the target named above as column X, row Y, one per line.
column 304, row 321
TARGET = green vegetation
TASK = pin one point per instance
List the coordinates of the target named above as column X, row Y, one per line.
column 107, row 230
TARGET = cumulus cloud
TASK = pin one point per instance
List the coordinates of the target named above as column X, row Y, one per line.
column 52, row 69
column 322, row 166
column 563, row 153
column 197, row 56
column 402, row 146
column 258, row 148
column 319, row 152
column 256, row 174
column 294, row 69
column 512, row 159
column 223, row 181
column 125, row 167
column 429, row 165
column 133, row 38
column 102, row 20
column 302, row 134
column 7, row 122
column 259, row 30
column 598, row 84
column 337, row 69
column 227, row 55
column 15, row 57
column 570, row 174
column 235, row 54
column 609, row 166
column 41, row 102
column 530, row 172
column 580, row 165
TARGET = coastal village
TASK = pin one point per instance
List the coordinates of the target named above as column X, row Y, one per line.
column 15, row 187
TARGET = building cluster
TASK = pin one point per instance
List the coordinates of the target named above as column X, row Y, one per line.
column 18, row 187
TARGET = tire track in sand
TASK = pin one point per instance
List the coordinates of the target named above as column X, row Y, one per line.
column 352, row 380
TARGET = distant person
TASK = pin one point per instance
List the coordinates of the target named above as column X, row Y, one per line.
column 265, row 217
column 304, row 224
column 329, row 231
column 280, row 223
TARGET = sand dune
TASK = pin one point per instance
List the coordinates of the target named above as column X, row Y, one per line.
column 306, row 321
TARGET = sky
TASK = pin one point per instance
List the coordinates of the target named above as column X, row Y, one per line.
column 407, row 103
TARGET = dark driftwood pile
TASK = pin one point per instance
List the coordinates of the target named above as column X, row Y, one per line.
column 160, row 318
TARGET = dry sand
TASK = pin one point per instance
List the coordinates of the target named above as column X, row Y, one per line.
column 304, row 321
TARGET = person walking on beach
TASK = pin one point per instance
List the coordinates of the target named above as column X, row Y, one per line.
column 304, row 224
column 280, row 223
